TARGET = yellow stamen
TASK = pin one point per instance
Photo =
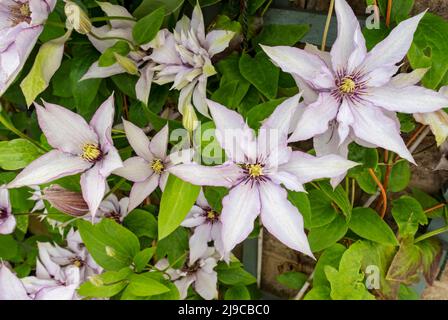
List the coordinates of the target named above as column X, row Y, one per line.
column 91, row 152
column 211, row 214
column 255, row 170
column 347, row 85
column 77, row 263
column 25, row 10
column 157, row 166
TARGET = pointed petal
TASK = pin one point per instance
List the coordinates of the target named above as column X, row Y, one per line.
column 409, row 99
column 281, row 117
column 344, row 119
column 64, row 129
column 200, row 96
column 225, row 175
column 408, row 79
column 194, row 218
column 141, row 190
column 282, row 219
column 308, row 168
column 197, row 23
column 11, row 288
column 183, row 284
column 373, row 126
column 159, row 144
column 97, row 72
column 206, row 284
column 93, row 187
column 392, row 50
column 289, row 180
column 315, row 118
column 113, row 10
column 438, row 121
column 102, row 122
column 51, row 166
column 349, row 49
column 218, row 40
column 309, row 94
column 134, row 169
column 5, row 203
column 110, row 162
column 199, row 241
column 202, row 200
column 240, row 208
column 138, row 140
column 232, row 132
column 304, row 64
column 143, row 85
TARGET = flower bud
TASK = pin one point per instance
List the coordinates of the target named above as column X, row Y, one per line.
column 189, row 118
column 76, row 18
column 66, row 201
column 127, row 64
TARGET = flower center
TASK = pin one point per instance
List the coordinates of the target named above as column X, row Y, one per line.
column 211, row 215
column 91, row 152
column 158, row 166
column 20, row 12
column 255, row 170
column 114, row 216
column 3, row 213
column 77, row 262
column 347, row 85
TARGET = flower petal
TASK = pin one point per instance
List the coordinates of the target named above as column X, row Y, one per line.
column 218, row 40
column 408, row 79
column 224, row 175
column 206, row 284
column 199, row 241
column 141, row 190
column 138, row 140
column 8, row 225
column 240, row 208
column 93, row 186
column 438, row 121
column 11, row 288
column 51, row 166
column 282, row 219
column 110, row 162
column 183, row 284
column 113, row 10
column 315, row 118
column 102, row 122
column 143, row 85
column 409, row 99
column 64, row 129
column 308, row 168
column 96, row 72
column 134, row 169
column 302, row 63
column 159, row 143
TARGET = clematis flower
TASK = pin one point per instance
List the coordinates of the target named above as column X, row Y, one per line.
column 207, row 227
column 149, row 168
column 200, row 274
column 79, row 148
column 7, row 219
column 136, row 62
column 112, row 208
column 33, row 288
column 21, row 23
column 350, row 95
column 256, row 168
column 184, row 58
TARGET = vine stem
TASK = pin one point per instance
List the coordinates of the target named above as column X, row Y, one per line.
column 304, row 288
column 112, row 38
column 99, row 19
column 431, row 234
column 327, row 26
column 436, row 207
column 389, row 10
column 383, row 191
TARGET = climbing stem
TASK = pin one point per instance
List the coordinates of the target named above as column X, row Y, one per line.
column 431, row 234
column 382, row 190
column 327, row 25
column 389, row 10
column 99, row 19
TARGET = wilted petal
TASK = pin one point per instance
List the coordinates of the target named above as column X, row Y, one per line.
column 438, row 121
column 373, row 126
column 393, row 49
column 138, row 140
column 349, row 49
column 64, row 129
column 159, row 143
column 304, row 64
column 218, row 40
column 11, row 288
column 282, row 219
column 206, row 284
column 51, row 166
column 93, row 186
column 308, row 168
column 199, row 241
column 239, row 210
column 224, row 175
column 141, row 190
column 134, row 169
column 315, row 118
column 411, row 99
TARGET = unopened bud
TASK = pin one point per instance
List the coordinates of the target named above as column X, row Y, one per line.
column 127, row 64
column 189, row 118
column 76, row 18
column 66, row 201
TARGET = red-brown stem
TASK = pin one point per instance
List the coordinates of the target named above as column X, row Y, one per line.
column 436, row 207
column 383, row 191
column 389, row 9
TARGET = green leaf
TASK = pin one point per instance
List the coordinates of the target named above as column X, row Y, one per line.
column 408, row 214
column 407, row 293
column 431, row 251
column 214, row 196
column 339, row 196
column 405, row 265
column 174, row 246
column 292, row 279
column 108, row 57
column 142, row 258
column 330, row 257
column 111, row 245
column 400, row 9
column 366, row 182
column 280, row 35
column 322, row 210
column 17, row 154
column 428, row 50
column 400, row 176
column 260, row 72
column 177, row 200
column 323, row 237
column 366, row 223
column 146, row 28
column 234, row 275
column 46, row 63
column 143, row 285
column 147, row 6
column 367, row 156
column 239, row 292
column 231, row 93
column 106, row 284
column 407, row 122
column 9, row 248
column 318, row 293
column 262, row 111
column 427, row 202
column 141, row 223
